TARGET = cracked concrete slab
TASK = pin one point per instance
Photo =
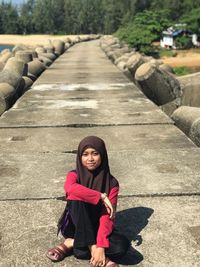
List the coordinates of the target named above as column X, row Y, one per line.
column 82, row 68
column 86, row 87
column 80, row 118
column 80, row 77
column 148, row 155
column 140, row 172
column 158, row 235
column 108, row 108
column 109, row 99
column 117, row 138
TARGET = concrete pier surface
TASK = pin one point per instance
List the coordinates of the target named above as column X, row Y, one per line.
column 82, row 93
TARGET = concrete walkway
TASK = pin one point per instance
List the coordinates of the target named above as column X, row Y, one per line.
column 81, row 94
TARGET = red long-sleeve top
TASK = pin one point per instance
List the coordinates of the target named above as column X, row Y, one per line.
column 75, row 191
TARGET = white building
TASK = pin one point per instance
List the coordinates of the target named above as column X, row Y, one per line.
column 168, row 39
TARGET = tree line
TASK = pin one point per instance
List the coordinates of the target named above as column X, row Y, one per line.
column 146, row 27
column 146, row 17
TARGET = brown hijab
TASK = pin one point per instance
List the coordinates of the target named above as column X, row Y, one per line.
column 100, row 179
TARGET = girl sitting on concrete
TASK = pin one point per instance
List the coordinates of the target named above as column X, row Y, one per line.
column 87, row 223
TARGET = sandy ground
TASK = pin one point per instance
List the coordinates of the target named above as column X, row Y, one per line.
column 187, row 59
column 11, row 39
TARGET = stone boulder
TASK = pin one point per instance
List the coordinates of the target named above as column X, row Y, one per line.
column 4, row 57
column 46, row 61
column 36, row 67
column 124, row 58
column 19, row 47
column 190, row 78
column 25, row 84
column 194, row 133
column 7, row 97
column 4, row 51
column 116, row 53
column 50, row 56
column 190, row 85
column 191, row 95
column 16, row 66
column 67, row 46
column 25, row 56
column 59, row 47
column 167, row 68
column 40, row 49
column 1, row 65
column 109, row 40
column 134, row 62
column 159, row 86
column 12, row 72
column 49, row 48
column 171, row 106
column 184, row 118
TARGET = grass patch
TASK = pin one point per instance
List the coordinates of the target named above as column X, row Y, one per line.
column 180, row 71
column 167, row 53
column 197, row 50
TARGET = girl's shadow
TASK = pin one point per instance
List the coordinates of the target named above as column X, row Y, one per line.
column 130, row 222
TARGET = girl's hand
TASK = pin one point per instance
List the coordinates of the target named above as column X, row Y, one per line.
column 114, row 211
column 98, row 257
column 108, row 205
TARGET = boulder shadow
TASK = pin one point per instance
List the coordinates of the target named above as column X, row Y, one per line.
column 130, row 222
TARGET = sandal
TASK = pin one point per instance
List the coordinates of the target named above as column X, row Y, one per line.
column 110, row 263
column 58, row 253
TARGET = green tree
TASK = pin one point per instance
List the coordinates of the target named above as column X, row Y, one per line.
column 58, row 16
column 109, row 16
column 86, row 16
column 144, row 29
column 96, row 16
column 71, row 23
column 43, row 16
column 114, row 13
column 9, row 18
column 183, row 42
column 26, row 17
column 176, row 8
column 188, row 5
column 141, row 5
column 192, row 19
column 155, row 22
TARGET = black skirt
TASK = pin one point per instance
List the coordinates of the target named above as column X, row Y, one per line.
column 80, row 221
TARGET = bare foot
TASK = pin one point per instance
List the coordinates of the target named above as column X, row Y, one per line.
column 69, row 242
column 110, row 263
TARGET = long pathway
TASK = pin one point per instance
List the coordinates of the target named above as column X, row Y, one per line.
column 83, row 93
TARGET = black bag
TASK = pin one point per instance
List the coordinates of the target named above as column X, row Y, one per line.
column 63, row 222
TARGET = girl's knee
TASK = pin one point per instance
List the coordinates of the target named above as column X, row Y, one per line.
column 118, row 247
column 82, row 253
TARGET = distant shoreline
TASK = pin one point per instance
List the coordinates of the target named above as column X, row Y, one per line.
column 30, row 40
column 6, row 44
column 188, row 59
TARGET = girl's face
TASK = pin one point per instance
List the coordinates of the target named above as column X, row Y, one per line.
column 91, row 159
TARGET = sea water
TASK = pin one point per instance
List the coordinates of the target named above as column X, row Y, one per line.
column 2, row 47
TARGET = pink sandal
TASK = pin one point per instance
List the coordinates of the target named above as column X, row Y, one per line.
column 58, row 253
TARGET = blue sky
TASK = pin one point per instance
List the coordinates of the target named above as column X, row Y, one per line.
column 15, row 1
